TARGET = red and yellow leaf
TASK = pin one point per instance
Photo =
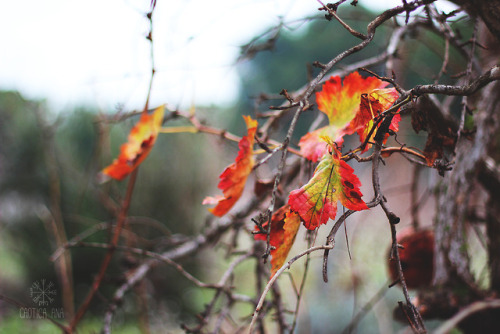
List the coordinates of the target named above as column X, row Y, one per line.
column 140, row 142
column 333, row 180
column 233, row 178
column 340, row 101
column 284, row 227
column 371, row 106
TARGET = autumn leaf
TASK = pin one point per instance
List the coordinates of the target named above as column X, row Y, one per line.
column 233, row 178
column 333, row 180
column 140, row 142
column 340, row 101
column 284, row 227
column 372, row 105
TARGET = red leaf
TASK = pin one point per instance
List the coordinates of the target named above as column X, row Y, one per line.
column 233, row 178
column 140, row 142
column 284, row 227
column 333, row 180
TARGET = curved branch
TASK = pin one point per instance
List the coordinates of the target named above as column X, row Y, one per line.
column 475, row 307
column 491, row 75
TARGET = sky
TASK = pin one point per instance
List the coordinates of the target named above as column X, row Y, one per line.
column 94, row 52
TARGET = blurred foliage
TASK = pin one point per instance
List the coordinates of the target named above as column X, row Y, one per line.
column 166, row 201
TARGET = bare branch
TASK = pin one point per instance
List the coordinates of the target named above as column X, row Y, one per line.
column 275, row 277
column 491, row 75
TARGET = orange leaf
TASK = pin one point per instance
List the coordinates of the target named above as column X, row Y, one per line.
column 233, row 178
column 340, row 102
column 284, row 227
column 140, row 141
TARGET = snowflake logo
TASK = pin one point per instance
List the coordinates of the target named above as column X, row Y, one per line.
column 43, row 293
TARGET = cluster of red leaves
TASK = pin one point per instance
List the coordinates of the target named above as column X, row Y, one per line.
column 351, row 105
column 141, row 140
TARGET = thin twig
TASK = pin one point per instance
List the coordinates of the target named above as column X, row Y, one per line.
column 53, row 218
column 468, row 74
column 300, row 292
column 345, row 25
column 281, row 168
column 186, row 248
column 107, row 258
column 275, row 277
column 416, row 319
column 330, row 239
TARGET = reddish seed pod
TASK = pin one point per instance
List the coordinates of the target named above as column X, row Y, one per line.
column 417, row 258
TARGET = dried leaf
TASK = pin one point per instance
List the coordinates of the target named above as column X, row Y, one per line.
column 140, row 142
column 263, row 187
column 442, row 132
column 233, row 178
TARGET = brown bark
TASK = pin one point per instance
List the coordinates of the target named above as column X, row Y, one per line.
column 473, row 165
column 490, row 179
column 487, row 10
